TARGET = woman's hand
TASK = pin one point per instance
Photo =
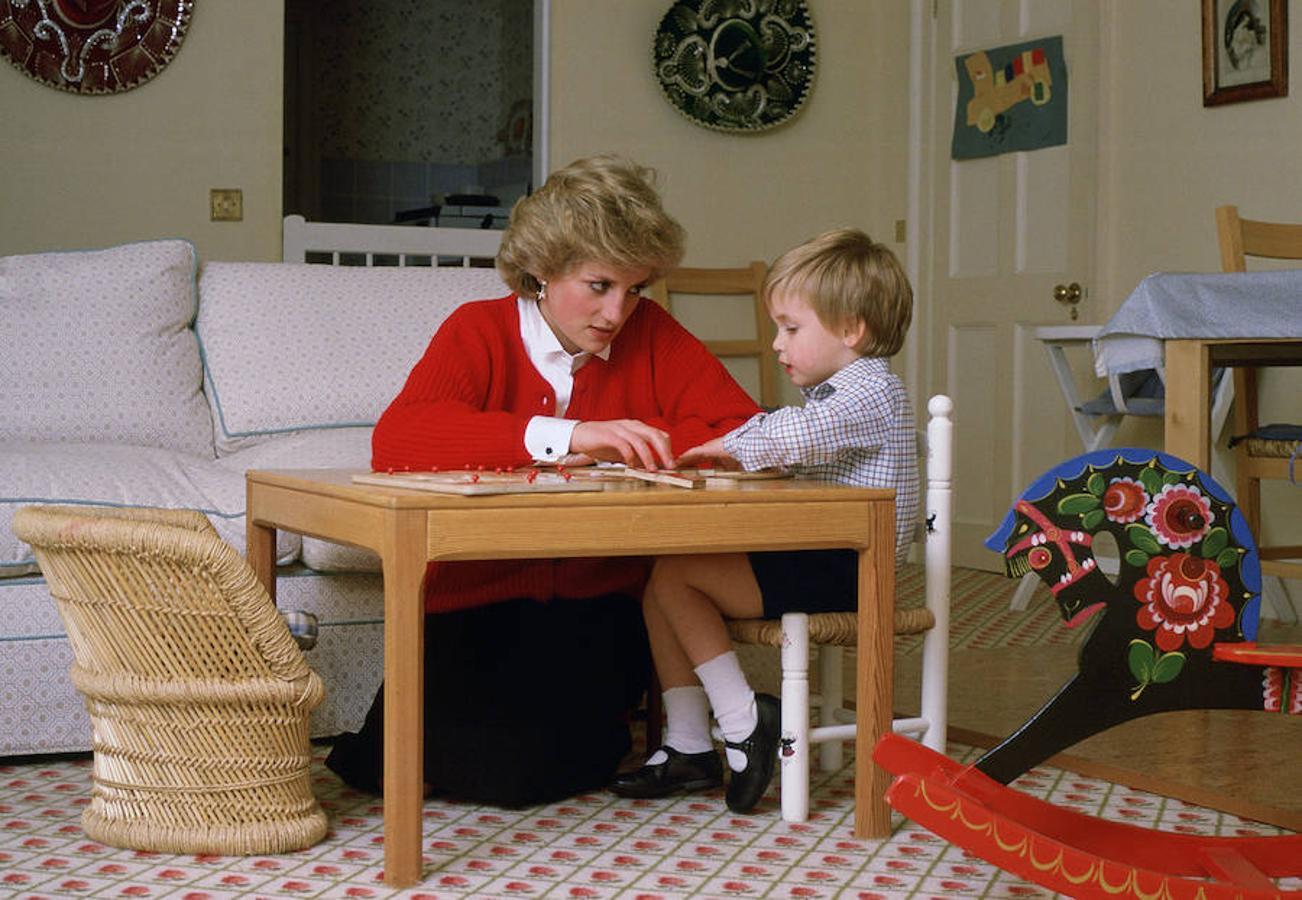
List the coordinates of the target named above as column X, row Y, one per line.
column 711, row 451
column 629, row 441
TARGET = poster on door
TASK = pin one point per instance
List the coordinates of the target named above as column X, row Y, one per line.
column 1010, row 98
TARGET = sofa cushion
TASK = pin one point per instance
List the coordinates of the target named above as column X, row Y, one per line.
column 291, row 347
column 97, row 346
column 118, row 475
column 331, row 448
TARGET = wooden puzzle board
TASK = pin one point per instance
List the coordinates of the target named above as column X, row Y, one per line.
column 543, row 481
column 699, row 478
column 478, row 483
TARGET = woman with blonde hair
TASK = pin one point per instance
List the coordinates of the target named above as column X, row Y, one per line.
column 533, row 665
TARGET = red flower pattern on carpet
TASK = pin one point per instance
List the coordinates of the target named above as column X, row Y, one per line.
column 1183, row 597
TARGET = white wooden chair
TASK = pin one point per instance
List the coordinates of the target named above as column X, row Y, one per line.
column 796, row 633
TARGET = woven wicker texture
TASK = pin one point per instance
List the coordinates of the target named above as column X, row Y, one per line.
column 835, row 629
column 198, row 696
column 1262, row 447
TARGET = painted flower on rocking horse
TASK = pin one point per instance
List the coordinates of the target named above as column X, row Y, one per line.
column 1179, row 516
column 1124, row 500
column 1184, row 596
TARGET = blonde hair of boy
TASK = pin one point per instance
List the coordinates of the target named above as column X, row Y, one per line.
column 599, row 209
column 846, row 277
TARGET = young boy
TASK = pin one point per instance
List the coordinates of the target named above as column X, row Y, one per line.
column 842, row 305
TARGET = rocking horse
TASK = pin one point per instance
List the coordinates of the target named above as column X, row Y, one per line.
column 1177, row 631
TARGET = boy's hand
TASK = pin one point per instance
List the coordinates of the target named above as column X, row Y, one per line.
column 629, row 441
column 711, row 451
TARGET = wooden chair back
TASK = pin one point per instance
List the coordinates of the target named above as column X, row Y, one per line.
column 729, row 282
column 1255, row 459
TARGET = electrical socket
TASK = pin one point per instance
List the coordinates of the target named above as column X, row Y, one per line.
column 226, row 204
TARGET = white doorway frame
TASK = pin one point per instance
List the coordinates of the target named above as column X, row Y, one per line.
column 917, row 229
column 542, row 33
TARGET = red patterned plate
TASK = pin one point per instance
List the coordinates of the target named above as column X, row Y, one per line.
column 92, row 46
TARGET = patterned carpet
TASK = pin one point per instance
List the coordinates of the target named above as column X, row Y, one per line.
column 979, row 615
column 591, row 846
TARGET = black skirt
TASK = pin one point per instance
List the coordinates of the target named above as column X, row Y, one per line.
column 525, row 702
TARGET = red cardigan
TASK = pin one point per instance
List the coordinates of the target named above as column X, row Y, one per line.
column 470, row 397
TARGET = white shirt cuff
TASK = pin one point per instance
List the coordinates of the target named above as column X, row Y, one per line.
column 547, row 438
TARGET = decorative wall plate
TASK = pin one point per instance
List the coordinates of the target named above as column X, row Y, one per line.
column 92, row 46
column 735, row 65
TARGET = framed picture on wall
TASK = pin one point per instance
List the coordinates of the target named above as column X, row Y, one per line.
column 1245, row 50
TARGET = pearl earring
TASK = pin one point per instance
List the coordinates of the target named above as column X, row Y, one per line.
column 542, row 291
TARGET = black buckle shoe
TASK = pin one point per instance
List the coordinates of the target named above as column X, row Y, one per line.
column 747, row 786
column 680, row 773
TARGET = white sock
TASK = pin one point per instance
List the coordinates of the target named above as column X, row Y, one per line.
column 732, row 700
column 687, row 716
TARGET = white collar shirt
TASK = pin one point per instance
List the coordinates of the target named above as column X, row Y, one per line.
column 547, row 438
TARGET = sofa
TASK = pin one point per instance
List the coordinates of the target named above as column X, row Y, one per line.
column 138, row 375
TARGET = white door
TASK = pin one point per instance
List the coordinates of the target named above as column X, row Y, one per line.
column 1004, row 231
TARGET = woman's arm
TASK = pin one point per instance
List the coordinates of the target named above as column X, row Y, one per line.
column 452, row 412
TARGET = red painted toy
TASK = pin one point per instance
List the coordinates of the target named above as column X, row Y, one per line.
column 1177, row 630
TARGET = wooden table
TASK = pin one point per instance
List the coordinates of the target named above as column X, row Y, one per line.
column 1189, row 364
column 409, row 528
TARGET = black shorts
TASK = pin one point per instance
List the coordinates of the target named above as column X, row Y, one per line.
column 808, row 581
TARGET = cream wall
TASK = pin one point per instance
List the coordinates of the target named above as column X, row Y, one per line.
column 1166, row 162
column 90, row 171
column 841, row 161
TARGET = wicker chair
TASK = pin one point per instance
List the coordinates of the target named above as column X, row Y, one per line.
column 198, row 696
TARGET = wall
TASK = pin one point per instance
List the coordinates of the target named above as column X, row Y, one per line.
column 93, row 171
column 840, row 161
column 1166, row 162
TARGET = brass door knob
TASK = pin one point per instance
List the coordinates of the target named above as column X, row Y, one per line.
column 1067, row 293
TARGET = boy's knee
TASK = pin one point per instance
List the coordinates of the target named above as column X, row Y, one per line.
column 667, row 571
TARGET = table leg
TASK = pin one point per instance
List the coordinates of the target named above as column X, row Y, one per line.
column 260, row 551
column 874, row 688
column 1188, row 402
column 403, row 559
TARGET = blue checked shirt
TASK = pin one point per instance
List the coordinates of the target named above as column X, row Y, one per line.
column 856, row 428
